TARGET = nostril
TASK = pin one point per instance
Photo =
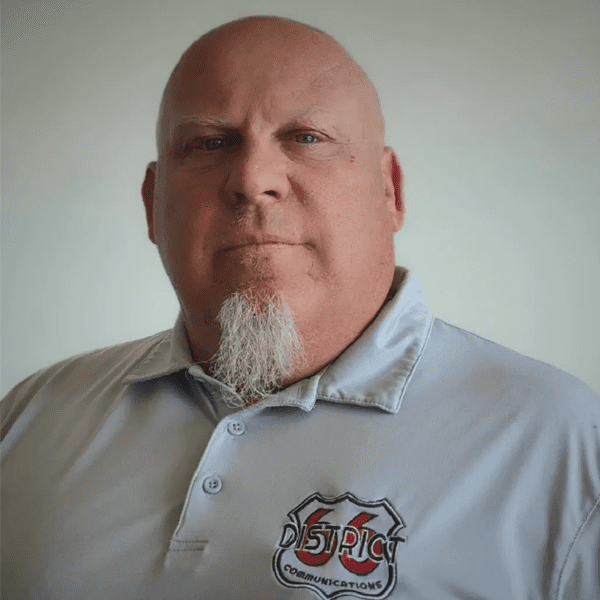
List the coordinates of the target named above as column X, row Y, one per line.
column 271, row 193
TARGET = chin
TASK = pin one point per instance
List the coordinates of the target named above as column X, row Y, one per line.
column 261, row 293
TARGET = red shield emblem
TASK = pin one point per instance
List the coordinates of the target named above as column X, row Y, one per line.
column 340, row 545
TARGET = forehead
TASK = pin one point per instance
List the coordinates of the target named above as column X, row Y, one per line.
column 263, row 68
column 234, row 85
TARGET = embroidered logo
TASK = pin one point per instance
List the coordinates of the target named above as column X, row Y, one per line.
column 340, row 545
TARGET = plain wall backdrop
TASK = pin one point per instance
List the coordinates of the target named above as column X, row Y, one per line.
column 492, row 106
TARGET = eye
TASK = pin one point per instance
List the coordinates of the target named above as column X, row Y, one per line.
column 210, row 144
column 213, row 144
column 306, row 138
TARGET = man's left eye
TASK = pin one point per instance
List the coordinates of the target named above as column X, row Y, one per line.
column 306, row 138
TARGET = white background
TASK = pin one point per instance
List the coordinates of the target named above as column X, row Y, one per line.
column 492, row 106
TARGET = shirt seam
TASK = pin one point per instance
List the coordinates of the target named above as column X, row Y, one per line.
column 156, row 346
column 575, row 539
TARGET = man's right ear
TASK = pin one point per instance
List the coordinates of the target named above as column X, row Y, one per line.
column 148, row 197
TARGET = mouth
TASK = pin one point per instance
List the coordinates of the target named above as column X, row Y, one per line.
column 258, row 248
column 251, row 243
column 261, row 244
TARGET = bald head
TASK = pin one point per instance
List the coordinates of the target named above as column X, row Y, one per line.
column 270, row 47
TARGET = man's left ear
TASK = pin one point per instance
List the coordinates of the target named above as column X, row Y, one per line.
column 393, row 179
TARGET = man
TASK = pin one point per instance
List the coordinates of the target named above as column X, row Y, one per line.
column 308, row 429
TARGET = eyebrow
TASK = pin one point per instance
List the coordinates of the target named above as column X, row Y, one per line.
column 200, row 121
column 314, row 113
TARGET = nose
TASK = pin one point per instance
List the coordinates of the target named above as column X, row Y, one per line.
column 258, row 174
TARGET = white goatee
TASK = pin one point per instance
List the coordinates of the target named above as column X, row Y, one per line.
column 259, row 348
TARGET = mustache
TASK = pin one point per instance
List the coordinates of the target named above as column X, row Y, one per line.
column 257, row 226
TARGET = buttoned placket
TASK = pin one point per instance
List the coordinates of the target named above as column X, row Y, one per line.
column 208, row 480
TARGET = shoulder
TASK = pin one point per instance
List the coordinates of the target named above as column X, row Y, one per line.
column 77, row 373
column 544, row 424
column 502, row 372
column 122, row 357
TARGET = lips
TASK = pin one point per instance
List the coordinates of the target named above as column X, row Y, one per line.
column 257, row 242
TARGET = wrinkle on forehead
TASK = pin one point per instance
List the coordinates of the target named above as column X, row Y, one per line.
column 281, row 45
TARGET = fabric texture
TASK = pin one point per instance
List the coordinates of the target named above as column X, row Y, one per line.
column 425, row 463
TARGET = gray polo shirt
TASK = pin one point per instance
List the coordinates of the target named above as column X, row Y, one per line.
column 425, row 463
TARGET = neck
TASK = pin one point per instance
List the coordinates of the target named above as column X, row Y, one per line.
column 323, row 338
column 328, row 338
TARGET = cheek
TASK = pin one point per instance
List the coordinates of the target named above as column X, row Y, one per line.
column 187, row 200
column 350, row 220
column 348, row 201
column 185, row 223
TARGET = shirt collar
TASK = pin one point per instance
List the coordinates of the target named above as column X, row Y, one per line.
column 373, row 371
column 172, row 353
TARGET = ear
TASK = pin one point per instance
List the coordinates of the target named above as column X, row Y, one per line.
column 393, row 178
column 148, row 197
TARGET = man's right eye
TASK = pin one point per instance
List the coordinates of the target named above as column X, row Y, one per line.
column 209, row 144
column 213, row 144
column 205, row 144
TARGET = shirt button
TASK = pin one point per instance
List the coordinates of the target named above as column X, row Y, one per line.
column 212, row 484
column 236, row 427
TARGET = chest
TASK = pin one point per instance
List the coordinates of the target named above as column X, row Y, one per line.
column 283, row 504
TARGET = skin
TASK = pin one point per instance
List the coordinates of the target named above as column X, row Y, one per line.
column 273, row 177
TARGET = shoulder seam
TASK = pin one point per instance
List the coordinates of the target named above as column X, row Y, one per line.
column 587, row 517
